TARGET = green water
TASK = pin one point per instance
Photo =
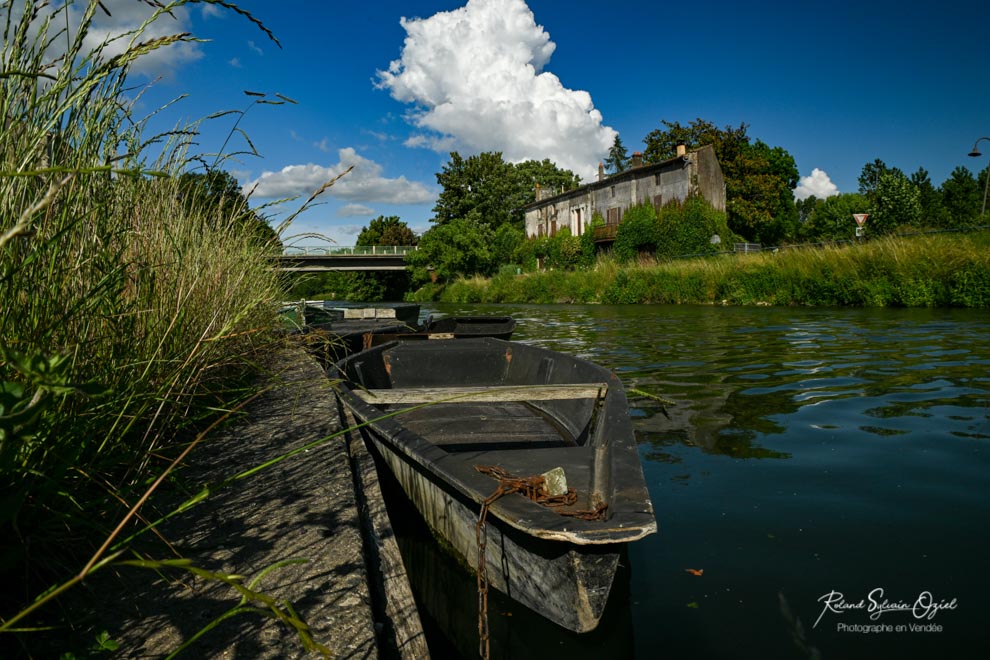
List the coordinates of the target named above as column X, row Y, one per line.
column 809, row 453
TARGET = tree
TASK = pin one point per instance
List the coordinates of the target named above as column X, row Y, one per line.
column 961, row 197
column 759, row 179
column 638, row 233
column 618, row 159
column 545, row 173
column 479, row 188
column 486, row 190
column 457, row 247
column 831, row 219
column 387, row 231
column 217, row 194
column 386, row 285
column 896, row 202
column 932, row 211
column 869, row 177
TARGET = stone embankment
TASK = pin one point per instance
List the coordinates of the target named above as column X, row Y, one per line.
column 321, row 506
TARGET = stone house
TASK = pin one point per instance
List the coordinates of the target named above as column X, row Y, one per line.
column 687, row 173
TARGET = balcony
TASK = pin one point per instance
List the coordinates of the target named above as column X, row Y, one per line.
column 605, row 233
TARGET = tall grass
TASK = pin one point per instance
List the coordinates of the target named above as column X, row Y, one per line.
column 128, row 318
column 923, row 271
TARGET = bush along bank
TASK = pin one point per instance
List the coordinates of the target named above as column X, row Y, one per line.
column 945, row 270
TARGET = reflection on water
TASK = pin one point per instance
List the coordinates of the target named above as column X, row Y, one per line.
column 872, row 431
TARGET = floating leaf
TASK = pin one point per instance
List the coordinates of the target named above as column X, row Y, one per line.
column 695, row 571
column 693, row 604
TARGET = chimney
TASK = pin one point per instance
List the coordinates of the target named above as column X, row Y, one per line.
column 681, row 149
column 601, row 171
column 637, row 159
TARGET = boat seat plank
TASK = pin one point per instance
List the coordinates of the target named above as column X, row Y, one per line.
column 418, row 395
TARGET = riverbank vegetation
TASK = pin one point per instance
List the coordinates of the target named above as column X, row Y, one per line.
column 135, row 292
column 910, row 271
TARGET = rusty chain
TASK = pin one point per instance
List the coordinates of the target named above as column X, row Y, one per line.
column 535, row 489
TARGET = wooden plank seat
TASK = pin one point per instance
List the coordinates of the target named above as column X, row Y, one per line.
column 491, row 394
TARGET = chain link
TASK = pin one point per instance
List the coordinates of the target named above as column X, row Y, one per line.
column 535, row 489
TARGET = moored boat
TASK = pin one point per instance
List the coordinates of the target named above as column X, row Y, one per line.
column 456, row 420
column 461, row 327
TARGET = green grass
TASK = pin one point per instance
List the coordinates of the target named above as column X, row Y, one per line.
column 130, row 320
column 919, row 271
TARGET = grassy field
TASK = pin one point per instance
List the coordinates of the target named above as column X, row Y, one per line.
column 132, row 313
column 937, row 270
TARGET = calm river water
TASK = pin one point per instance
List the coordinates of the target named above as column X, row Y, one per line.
column 827, row 466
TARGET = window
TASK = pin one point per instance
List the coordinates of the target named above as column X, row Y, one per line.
column 613, row 191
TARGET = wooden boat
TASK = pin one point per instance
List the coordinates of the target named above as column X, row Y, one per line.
column 499, row 327
column 437, row 411
column 452, row 327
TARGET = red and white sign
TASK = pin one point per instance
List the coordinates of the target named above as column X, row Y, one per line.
column 860, row 218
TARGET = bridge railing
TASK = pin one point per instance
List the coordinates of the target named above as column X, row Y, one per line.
column 347, row 250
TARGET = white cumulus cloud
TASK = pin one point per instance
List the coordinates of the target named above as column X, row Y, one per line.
column 355, row 211
column 817, row 184
column 476, row 78
column 125, row 18
column 364, row 183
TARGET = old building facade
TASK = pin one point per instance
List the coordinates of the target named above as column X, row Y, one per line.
column 696, row 172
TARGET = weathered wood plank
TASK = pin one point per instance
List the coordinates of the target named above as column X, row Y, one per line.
column 416, row 395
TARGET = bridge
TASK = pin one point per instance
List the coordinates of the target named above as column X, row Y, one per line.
column 302, row 259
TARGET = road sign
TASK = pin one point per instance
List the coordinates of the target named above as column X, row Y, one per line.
column 860, row 218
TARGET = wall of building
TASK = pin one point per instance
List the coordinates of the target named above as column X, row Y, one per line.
column 697, row 172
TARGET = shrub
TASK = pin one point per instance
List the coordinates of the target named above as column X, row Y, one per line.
column 637, row 234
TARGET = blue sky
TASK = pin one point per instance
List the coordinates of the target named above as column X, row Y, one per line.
column 836, row 84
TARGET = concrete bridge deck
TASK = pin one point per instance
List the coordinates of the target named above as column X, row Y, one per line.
column 305, row 259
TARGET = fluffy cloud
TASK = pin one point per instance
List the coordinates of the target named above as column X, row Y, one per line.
column 364, row 183
column 127, row 16
column 355, row 211
column 475, row 75
column 817, row 184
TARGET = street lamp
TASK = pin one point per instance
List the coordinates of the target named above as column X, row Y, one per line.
column 975, row 153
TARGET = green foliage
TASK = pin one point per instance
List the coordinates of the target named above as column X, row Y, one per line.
column 925, row 271
column 563, row 250
column 133, row 300
column 759, row 179
column 687, row 228
column 387, row 231
column 379, row 286
column 961, row 197
column 489, row 192
column 638, row 233
column 896, row 202
column 457, row 247
column 587, row 240
column 530, row 173
column 831, row 219
column 933, row 213
column 508, row 240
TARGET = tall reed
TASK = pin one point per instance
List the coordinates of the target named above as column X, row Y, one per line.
column 127, row 316
column 919, row 271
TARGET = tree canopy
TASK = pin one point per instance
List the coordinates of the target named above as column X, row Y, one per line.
column 489, row 192
column 388, row 230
